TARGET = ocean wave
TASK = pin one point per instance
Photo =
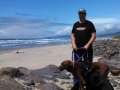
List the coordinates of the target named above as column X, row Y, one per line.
column 33, row 42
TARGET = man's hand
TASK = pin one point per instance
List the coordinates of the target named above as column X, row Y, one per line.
column 90, row 41
column 86, row 47
column 74, row 47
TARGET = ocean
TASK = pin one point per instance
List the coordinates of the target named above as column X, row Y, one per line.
column 7, row 44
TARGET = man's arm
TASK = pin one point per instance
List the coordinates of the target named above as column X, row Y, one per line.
column 93, row 37
column 73, row 42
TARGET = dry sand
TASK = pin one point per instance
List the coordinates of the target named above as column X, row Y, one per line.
column 37, row 57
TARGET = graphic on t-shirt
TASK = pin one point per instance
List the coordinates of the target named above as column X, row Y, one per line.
column 81, row 28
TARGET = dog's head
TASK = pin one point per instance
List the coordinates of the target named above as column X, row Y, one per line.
column 67, row 64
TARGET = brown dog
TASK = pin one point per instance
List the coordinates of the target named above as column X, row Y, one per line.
column 72, row 67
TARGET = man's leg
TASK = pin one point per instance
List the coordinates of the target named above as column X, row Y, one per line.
column 88, row 57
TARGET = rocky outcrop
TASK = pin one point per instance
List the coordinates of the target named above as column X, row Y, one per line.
column 108, row 49
column 44, row 79
column 40, row 79
column 43, row 74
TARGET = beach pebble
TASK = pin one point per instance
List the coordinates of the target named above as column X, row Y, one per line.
column 62, row 82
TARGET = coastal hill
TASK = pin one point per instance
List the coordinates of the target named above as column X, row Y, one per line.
column 110, row 34
column 98, row 35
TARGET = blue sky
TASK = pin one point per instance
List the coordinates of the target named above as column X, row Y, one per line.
column 41, row 18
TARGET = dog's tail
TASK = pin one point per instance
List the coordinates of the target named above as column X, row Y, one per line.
column 114, row 72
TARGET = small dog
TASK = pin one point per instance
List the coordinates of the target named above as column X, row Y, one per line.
column 76, row 69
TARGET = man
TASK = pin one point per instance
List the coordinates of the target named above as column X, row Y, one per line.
column 83, row 35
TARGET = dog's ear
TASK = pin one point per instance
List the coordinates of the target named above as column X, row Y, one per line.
column 66, row 62
column 62, row 63
column 69, row 62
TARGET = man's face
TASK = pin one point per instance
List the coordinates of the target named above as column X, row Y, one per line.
column 82, row 15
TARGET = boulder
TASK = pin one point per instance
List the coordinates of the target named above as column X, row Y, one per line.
column 48, row 86
column 8, row 83
column 10, row 71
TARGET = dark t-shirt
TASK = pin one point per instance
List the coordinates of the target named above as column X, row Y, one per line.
column 82, row 32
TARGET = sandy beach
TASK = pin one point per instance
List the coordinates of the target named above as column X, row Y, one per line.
column 37, row 57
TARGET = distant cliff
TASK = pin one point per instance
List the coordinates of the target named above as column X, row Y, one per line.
column 67, row 36
column 110, row 34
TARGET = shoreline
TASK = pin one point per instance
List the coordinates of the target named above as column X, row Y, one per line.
column 44, row 45
column 15, row 47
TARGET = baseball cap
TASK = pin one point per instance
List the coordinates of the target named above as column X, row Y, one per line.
column 82, row 10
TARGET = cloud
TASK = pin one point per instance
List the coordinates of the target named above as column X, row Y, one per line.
column 17, row 27
column 108, row 28
column 64, row 31
column 104, row 20
column 101, row 29
column 104, row 27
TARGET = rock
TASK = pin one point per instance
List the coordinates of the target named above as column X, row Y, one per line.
column 109, row 49
column 24, row 70
column 40, row 75
column 10, row 71
column 33, row 77
column 51, row 66
column 8, row 83
column 50, row 74
column 48, row 86
column 30, row 83
column 62, row 82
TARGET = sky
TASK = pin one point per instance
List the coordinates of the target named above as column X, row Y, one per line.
column 42, row 18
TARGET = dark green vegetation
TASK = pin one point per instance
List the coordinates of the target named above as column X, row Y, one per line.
column 116, row 37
